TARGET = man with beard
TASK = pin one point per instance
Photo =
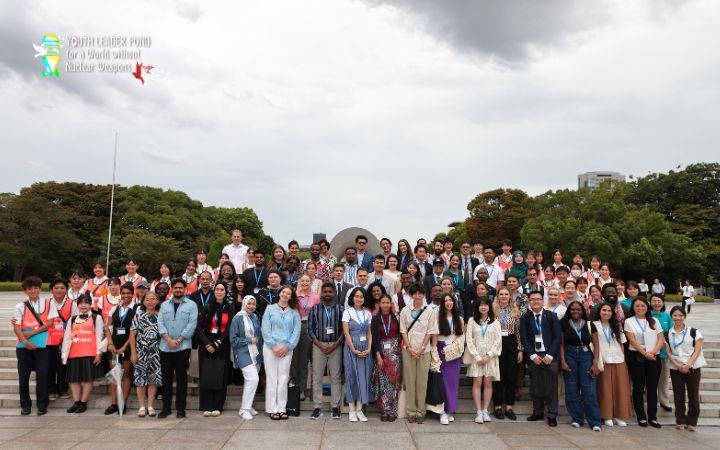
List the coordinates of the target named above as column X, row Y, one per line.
column 320, row 264
column 610, row 295
column 351, row 266
column 256, row 277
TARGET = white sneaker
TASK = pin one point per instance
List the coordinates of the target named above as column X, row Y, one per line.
column 353, row 416
column 596, row 428
column 451, row 418
column 609, row 423
column 486, row 416
column 245, row 414
column 207, row 414
column 361, row 416
column 444, row 420
column 575, row 425
column 253, row 412
column 620, row 423
column 216, row 413
column 479, row 417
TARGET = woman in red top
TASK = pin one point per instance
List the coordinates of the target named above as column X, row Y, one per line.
column 387, row 347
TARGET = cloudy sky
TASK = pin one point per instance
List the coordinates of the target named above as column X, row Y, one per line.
column 386, row 114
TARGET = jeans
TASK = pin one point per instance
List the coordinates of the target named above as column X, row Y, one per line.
column 580, row 387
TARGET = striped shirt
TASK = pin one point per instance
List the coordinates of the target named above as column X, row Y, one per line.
column 321, row 319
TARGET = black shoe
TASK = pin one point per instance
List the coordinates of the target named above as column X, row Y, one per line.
column 73, row 409
column 552, row 422
column 180, row 414
column 642, row 423
column 666, row 408
column 124, row 409
column 336, row 413
column 163, row 414
column 82, row 408
column 316, row 414
column 499, row 414
column 42, row 412
column 510, row 414
column 112, row 409
column 25, row 411
column 535, row 418
column 653, row 423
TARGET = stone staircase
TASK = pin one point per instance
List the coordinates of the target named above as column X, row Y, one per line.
column 100, row 399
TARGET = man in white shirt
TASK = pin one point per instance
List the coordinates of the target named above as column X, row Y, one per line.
column 688, row 293
column 495, row 275
column 237, row 251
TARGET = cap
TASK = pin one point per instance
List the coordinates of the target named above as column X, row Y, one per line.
column 438, row 262
column 143, row 284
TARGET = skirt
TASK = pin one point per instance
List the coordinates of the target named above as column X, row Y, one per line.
column 613, row 392
column 491, row 369
column 82, row 370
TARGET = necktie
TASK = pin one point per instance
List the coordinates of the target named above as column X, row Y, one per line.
column 337, row 286
column 537, row 320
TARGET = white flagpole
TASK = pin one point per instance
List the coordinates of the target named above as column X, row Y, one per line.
column 112, row 205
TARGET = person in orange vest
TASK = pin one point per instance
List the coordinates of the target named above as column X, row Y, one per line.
column 66, row 308
column 31, row 321
column 190, row 276
column 81, row 353
column 77, row 283
column 132, row 275
column 110, row 300
column 165, row 271
column 97, row 285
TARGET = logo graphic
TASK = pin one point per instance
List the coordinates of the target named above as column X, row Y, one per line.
column 49, row 49
column 139, row 67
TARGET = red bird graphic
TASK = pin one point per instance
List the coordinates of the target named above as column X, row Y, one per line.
column 147, row 69
column 138, row 72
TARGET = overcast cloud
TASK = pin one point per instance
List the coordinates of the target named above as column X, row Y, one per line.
column 390, row 115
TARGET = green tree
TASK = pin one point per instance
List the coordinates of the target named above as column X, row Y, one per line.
column 496, row 215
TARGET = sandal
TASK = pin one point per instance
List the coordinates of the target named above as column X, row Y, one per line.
column 141, row 412
column 274, row 416
column 284, row 416
column 151, row 411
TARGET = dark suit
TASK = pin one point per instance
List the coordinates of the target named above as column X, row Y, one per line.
column 251, row 282
column 430, row 281
column 367, row 261
column 201, row 299
column 345, row 288
column 550, row 330
column 428, row 267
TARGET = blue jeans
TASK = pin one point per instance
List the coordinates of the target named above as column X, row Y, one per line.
column 580, row 387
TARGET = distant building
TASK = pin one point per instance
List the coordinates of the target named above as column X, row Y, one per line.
column 591, row 180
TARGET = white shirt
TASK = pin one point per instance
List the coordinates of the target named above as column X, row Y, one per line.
column 682, row 349
column 238, row 256
column 688, row 291
column 558, row 309
column 494, row 273
column 647, row 338
column 612, row 352
column 67, row 340
column 360, row 317
column 38, row 306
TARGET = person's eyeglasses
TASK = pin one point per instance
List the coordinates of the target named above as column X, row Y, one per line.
column 362, row 243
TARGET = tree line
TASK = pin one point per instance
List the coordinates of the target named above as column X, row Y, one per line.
column 662, row 224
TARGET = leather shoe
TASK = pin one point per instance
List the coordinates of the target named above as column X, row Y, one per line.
column 41, row 412
column 180, row 414
column 163, row 414
column 552, row 422
column 498, row 413
column 510, row 414
column 535, row 418
column 25, row 411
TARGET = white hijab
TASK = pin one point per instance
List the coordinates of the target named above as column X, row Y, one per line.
column 249, row 327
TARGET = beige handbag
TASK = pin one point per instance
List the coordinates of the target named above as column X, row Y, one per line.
column 456, row 349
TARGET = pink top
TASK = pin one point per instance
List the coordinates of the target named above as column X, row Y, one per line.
column 305, row 304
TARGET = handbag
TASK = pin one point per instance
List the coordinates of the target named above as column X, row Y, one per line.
column 455, row 350
column 292, row 407
column 435, row 393
column 540, row 382
column 212, row 374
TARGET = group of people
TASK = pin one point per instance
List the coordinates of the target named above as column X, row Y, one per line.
column 389, row 323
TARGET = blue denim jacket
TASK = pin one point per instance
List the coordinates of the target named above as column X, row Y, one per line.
column 176, row 324
column 239, row 341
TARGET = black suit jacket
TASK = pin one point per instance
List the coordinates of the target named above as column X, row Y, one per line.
column 250, row 282
column 429, row 283
column 550, row 333
column 345, row 288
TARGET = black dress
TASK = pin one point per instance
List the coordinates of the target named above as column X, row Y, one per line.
column 121, row 329
column 214, row 327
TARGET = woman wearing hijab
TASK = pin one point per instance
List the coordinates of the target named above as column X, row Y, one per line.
column 519, row 266
column 246, row 341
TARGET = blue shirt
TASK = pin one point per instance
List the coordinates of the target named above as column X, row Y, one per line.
column 177, row 323
column 280, row 327
column 666, row 323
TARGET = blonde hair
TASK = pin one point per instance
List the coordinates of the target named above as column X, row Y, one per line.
column 514, row 310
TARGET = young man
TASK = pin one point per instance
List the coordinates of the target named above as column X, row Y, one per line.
column 403, row 298
column 66, row 308
column 495, row 274
column 341, row 289
column 320, row 264
column 504, row 261
column 468, row 263
column 363, row 259
column 237, row 251
column 362, row 279
column 351, row 265
column 532, row 283
column 255, row 277
column 390, row 284
column 177, row 321
column 326, row 333
column 435, row 277
column 269, row 294
column 437, row 251
column 418, row 326
column 421, row 258
column 31, row 321
column 540, row 334
column 293, row 248
column 478, row 248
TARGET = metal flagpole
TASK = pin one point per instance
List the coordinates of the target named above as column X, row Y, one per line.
column 112, row 205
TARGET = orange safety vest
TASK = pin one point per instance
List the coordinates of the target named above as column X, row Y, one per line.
column 192, row 286
column 225, row 318
column 134, row 283
column 83, row 338
column 106, row 307
column 97, row 290
column 504, row 267
column 57, row 330
column 29, row 322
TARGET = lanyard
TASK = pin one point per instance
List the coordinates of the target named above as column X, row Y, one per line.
column 490, row 272
column 607, row 333
column 328, row 314
column 555, row 308
column 640, row 326
column 538, row 324
column 270, row 297
column 483, row 329
column 257, row 277
column 305, row 305
column 386, row 327
column 678, row 344
column 504, row 314
column 578, row 331
column 452, row 326
column 456, row 278
column 122, row 316
column 357, row 318
column 204, row 300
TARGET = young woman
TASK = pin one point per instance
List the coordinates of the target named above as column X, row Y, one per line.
column 386, row 346
column 594, row 298
column 554, row 304
column 657, row 304
column 456, row 275
column 110, row 300
column 238, row 294
column 117, row 333
column 132, row 275
column 281, row 334
column 593, row 272
column 632, row 290
column 393, row 269
column 315, row 282
column 226, row 273
column 576, row 271
column 66, row 308
column 145, row 352
column 358, row 362
column 162, row 289
column 645, row 337
column 452, row 330
column 190, row 276
column 404, row 254
column 605, row 275
column 414, row 270
column 582, row 289
column 569, row 294
column 97, row 285
column 540, row 263
column 201, row 262
column 549, row 279
column 77, row 281
column 516, row 294
column 213, row 343
column 613, row 384
column 246, row 341
column 277, row 258
column 484, row 345
column 377, row 291
column 326, row 256
column 579, row 355
column 164, row 275
column 511, row 355
column 684, row 344
column 81, row 352
column 519, row 267
column 622, row 295
column 301, row 354
column 222, row 260
column 557, row 259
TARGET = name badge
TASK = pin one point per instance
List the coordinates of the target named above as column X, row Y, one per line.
column 539, row 346
column 387, row 346
column 120, row 331
column 504, row 333
column 214, row 331
column 256, row 290
column 329, row 330
column 585, row 348
column 363, row 338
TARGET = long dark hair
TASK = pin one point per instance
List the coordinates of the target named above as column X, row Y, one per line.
column 418, row 274
column 443, row 325
column 566, row 318
column 293, row 302
column 648, row 316
column 477, row 317
column 227, row 263
column 212, row 306
column 613, row 322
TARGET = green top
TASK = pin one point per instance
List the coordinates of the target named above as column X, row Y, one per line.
column 666, row 323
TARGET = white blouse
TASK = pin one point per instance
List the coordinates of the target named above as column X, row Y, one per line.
column 611, row 352
column 644, row 335
column 681, row 344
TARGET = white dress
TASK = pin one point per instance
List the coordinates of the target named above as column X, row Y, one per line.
column 480, row 345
